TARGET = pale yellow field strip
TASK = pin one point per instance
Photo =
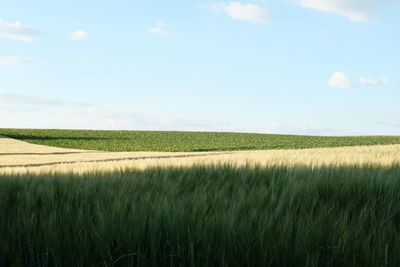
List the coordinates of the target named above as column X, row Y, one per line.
column 31, row 160
column 382, row 155
column 14, row 153
column 10, row 146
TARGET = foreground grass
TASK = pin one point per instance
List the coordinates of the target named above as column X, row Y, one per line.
column 184, row 141
column 203, row 216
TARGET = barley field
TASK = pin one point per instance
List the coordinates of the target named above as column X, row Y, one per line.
column 17, row 157
column 326, row 206
column 203, row 216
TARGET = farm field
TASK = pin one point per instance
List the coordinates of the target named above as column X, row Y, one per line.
column 326, row 206
column 15, row 154
column 200, row 133
column 184, row 141
column 203, row 216
column 18, row 157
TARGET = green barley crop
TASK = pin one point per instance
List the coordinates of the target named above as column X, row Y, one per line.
column 203, row 216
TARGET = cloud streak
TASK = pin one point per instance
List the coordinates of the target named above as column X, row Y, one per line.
column 17, row 110
column 242, row 12
column 17, row 31
column 354, row 10
column 14, row 61
column 373, row 81
column 161, row 29
column 25, row 111
column 78, row 35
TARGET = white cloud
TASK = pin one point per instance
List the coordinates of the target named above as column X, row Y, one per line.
column 161, row 29
column 78, row 35
column 7, row 60
column 24, row 111
column 354, row 10
column 18, row 110
column 339, row 80
column 373, row 81
column 244, row 12
column 17, row 31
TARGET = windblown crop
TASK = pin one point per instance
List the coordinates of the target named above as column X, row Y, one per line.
column 203, row 216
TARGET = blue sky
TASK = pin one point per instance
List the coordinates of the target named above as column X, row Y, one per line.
column 320, row 67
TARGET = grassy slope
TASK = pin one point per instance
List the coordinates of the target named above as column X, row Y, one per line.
column 183, row 141
column 213, row 216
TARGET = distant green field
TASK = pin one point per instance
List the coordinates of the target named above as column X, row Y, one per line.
column 203, row 216
column 184, row 141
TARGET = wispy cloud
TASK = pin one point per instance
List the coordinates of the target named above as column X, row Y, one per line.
column 373, row 81
column 243, row 12
column 18, row 110
column 339, row 80
column 354, row 10
column 391, row 124
column 17, row 31
column 78, row 35
column 161, row 29
column 13, row 61
column 25, row 111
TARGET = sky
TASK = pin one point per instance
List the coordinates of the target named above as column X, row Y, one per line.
column 314, row 67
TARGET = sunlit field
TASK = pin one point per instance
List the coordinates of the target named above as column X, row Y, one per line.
column 87, row 162
column 329, row 206
column 221, row 133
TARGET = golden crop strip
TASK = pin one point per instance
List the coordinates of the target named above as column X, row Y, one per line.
column 12, row 146
column 18, row 157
